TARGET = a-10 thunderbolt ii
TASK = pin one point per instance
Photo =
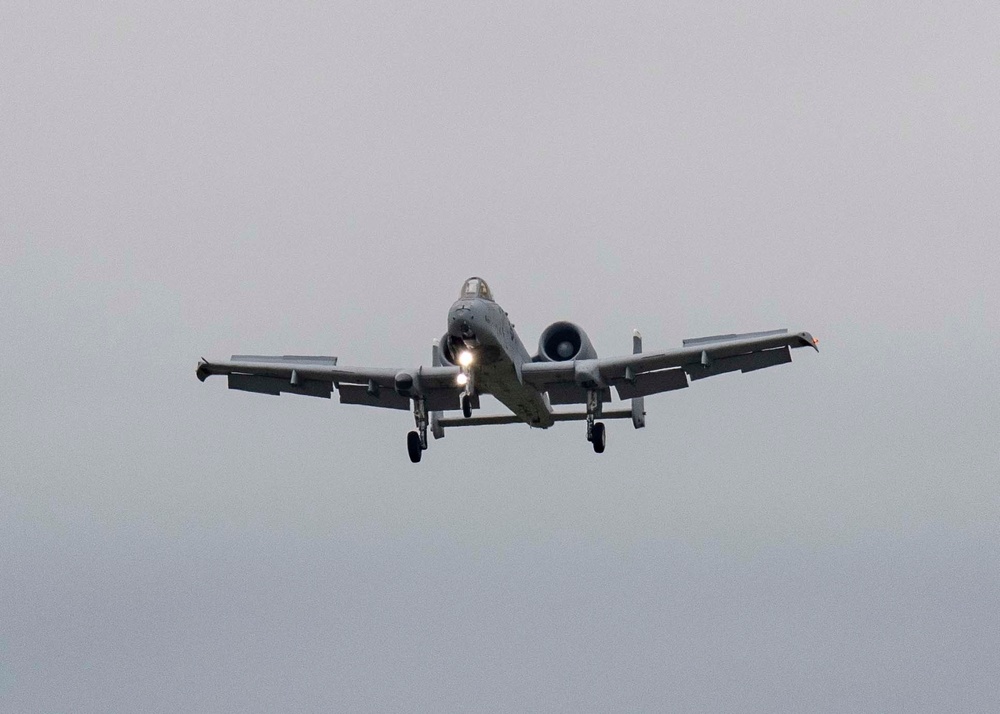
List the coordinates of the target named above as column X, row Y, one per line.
column 482, row 354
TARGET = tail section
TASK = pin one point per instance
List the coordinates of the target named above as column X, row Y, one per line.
column 638, row 403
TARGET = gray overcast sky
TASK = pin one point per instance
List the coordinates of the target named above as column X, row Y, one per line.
column 203, row 179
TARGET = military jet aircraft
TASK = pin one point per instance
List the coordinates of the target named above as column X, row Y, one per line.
column 482, row 354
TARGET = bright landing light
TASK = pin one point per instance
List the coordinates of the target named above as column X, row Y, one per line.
column 462, row 380
column 465, row 359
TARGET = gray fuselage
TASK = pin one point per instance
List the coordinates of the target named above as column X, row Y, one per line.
column 498, row 354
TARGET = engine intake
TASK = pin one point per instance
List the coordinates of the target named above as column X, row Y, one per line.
column 449, row 348
column 564, row 341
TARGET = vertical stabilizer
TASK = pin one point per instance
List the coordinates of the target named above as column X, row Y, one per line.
column 638, row 403
column 435, row 417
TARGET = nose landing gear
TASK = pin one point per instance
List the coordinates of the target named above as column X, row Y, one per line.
column 466, row 382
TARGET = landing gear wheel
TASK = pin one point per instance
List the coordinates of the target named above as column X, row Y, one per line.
column 414, row 447
column 599, row 438
column 466, row 406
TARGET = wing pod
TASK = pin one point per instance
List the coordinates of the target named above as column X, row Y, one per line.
column 562, row 342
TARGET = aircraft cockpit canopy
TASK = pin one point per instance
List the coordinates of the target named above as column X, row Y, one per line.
column 476, row 288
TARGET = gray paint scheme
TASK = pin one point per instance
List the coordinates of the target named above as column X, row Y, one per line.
column 528, row 385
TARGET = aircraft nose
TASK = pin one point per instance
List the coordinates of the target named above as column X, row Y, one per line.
column 459, row 319
column 459, row 311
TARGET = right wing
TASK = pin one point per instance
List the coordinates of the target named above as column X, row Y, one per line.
column 319, row 376
column 639, row 375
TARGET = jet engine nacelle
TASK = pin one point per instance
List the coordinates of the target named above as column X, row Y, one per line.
column 562, row 342
column 448, row 348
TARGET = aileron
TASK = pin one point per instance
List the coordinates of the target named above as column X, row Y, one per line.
column 743, row 363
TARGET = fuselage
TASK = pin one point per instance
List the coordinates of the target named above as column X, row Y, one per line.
column 481, row 327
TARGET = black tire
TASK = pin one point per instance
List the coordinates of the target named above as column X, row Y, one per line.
column 466, row 406
column 413, row 447
column 599, row 438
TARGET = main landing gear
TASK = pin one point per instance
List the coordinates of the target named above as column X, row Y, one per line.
column 598, row 438
column 595, row 429
column 414, row 447
column 416, row 441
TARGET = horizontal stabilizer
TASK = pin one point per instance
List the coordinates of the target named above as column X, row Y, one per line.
column 495, row 419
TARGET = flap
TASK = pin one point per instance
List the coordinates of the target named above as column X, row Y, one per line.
column 277, row 385
column 665, row 380
column 360, row 394
column 437, row 399
column 572, row 394
column 442, row 400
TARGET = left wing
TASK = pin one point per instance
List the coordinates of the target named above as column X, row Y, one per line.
column 645, row 373
column 318, row 376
